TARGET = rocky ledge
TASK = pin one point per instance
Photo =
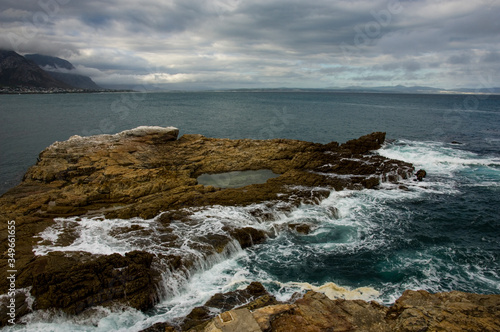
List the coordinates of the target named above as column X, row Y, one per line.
column 148, row 173
column 254, row 310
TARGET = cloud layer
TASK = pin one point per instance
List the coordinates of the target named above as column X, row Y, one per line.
column 271, row 43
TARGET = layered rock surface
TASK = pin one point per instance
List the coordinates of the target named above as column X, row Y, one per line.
column 148, row 173
column 414, row 311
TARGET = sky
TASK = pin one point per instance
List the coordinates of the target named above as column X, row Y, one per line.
column 215, row 44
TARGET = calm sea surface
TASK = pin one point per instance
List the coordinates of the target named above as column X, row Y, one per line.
column 442, row 234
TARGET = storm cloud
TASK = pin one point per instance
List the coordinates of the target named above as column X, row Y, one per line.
column 272, row 43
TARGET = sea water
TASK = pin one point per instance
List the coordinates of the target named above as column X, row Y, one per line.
column 440, row 234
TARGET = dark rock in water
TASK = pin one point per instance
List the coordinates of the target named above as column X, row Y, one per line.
column 421, row 174
column 147, row 172
column 248, row 236
column 365, row 143
column 300, row 228
column 230, row 300
column 456, row 143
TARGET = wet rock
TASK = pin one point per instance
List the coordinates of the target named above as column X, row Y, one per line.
column 147, row 172
column 248, row 236
column 301, row 228
column 198, row 316
column 420, row 174
column 73, row 286
column 253, row 296
column 13, row 307
column 230, row 300
column 365, row 143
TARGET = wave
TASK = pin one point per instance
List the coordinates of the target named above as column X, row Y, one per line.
column 436, row 157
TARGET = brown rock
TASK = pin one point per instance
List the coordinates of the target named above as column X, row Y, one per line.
column 160, row 327
column 414, row 311
column 73, row 286
column 301, row 228
column 454, row 311
column 146, row 171
column 253, row 296
column 248, row 236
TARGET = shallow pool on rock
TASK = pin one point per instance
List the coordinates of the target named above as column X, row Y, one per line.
column 236, row 179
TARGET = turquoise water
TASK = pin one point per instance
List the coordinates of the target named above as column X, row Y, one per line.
column 441, row 234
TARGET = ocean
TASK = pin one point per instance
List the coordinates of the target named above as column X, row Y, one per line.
column 440, row 234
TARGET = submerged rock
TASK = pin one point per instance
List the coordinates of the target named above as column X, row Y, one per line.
column 145, row 172
column 421, row 174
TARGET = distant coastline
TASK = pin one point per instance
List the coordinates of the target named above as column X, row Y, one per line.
column 388, row 90
column 37, row 90
column 374, row 90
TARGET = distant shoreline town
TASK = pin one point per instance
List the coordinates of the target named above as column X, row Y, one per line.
column 38, row 90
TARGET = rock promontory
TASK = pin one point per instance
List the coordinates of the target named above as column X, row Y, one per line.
column 149, row 175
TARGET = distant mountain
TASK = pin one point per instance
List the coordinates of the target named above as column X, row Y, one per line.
column 46, row 62
column 495, row 90
column 76, row 80
column 394, row 89
column 15, row 70
column 61, row 69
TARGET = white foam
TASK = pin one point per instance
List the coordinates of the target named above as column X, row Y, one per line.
column 93, row 235
column 97, row 319
column 435, row 157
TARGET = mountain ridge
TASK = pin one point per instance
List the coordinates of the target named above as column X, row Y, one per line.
column 16, row 70
column 35, row 71
column 60, row 69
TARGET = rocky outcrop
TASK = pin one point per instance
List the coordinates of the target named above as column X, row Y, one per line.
column 149, row 173
column 414, row 311
column 73, row 286
column 365, row 144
